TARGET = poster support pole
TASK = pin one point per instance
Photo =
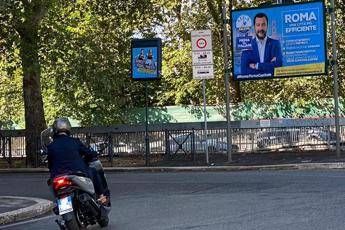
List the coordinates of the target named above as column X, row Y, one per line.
column 335, row 79
column 227, row 88
column 146, row 62
column 147, row 141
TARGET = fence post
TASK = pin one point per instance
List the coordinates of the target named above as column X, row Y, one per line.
column 193, row 145
column 2, row 139
column 111, row 149
column 37, row 152
column 253, row 140
column 329, row 137
column 88, row 139
column 167, row 142
column 9, row 151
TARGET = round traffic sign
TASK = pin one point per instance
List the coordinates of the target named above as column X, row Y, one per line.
column 201, row 43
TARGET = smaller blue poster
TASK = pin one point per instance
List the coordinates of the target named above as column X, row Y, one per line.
column 146, row 59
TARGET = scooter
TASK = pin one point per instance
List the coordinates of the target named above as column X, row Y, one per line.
column 76, row 200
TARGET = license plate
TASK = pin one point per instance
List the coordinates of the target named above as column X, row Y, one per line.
column 65, row 205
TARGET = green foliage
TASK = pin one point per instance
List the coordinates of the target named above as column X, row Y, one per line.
column 86, row 72
column 84, row 57
column 11, row 103
column 182, row 17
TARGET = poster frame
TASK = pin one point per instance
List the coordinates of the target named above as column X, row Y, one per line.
column 232, row 43
column 147, row 43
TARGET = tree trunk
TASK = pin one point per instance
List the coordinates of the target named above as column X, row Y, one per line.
column 33, row 103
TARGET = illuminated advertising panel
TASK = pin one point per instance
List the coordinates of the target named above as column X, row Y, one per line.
column 279, row 41
column 146, row 59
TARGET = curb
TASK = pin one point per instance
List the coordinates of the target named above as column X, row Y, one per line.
column 24, row 170
column 300, row 166
column 41, row 207
column 296, row 166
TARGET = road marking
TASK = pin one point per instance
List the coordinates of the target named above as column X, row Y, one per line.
column 27, row 222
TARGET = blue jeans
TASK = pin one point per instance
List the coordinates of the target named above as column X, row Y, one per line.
column 97, row 183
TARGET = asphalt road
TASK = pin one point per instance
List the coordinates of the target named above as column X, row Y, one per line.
column 260, row 200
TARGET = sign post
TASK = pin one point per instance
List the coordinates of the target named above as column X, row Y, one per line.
column 203, row 67
column 335, row 80
column 146, row 62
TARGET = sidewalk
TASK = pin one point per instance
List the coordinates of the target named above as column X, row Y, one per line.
column 13, row 209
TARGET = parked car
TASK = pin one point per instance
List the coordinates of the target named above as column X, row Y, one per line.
column 322, row 134
column 118, row 148
column 100, row 146
column 128, row 148
column 319, row 136
column 183, row 143
column 268, row 138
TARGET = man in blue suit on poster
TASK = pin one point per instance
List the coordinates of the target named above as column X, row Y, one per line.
column 265, row 53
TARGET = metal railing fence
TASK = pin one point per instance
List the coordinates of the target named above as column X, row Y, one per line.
column 189, row 138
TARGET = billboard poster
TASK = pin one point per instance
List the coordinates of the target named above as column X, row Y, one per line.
column 146, row 59
column 279, row 41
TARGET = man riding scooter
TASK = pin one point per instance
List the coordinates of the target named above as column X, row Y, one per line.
column 68, row 155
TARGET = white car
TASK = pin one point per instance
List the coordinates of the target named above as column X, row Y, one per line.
column 183, row 143
column 119, row 148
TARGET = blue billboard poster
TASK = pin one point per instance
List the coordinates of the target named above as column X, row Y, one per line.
column 146, row 59
column 279, row 41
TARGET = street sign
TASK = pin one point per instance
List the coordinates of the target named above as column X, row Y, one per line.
column 202, row 57
column 202, row 54
column 201, row 40
column 203, row 72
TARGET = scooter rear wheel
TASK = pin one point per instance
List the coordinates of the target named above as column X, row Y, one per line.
column 103, row 222
column 71, row 222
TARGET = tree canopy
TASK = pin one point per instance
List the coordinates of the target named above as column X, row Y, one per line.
column 79, row 54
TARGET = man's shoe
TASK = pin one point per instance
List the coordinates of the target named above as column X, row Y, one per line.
column 103, row 200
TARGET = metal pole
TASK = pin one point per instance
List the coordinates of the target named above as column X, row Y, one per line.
column 9, row 151
column 111, row 149
column 335, row 79
column 227, row 88
column 205, row 119
column 147, row 142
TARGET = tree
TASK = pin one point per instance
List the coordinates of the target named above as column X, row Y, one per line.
column 178, row 19
column 86, row 63
column 80, row 52
column 24, row 18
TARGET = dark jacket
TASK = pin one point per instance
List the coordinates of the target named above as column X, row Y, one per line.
column 272, row 50
column 68, row 155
